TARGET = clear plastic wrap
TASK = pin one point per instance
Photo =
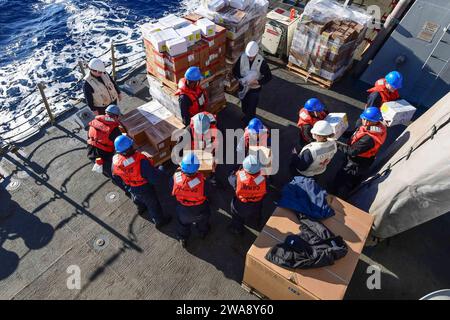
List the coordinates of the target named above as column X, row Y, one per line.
column 324, row 11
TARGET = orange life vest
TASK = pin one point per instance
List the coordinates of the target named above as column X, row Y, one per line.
column 99, row 130
column 262, row 139
column 129, row 169
column 304, row 117
column 386, row 95
column 201, row 141
column 195, row 95
column 189, row 191
column 378, row 133
column 250, row 187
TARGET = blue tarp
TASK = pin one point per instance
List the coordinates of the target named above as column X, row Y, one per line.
column 304, row 196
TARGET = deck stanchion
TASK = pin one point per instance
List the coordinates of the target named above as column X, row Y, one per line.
column 113, row 60
column 83, row 72
column 44, row 99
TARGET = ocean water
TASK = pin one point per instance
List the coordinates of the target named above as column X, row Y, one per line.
column 42, row 41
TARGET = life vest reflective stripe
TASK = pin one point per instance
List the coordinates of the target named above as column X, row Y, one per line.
column 189, row 191
column 99, row 130
column 250, row 187
column 256, row 67
column 261, row 139
column 207, row 140
column 322, row 154
column 378, row 133
column 104, row 93
column 304, row 117
column 198, row 97
column 129, row 169
column 386, row 95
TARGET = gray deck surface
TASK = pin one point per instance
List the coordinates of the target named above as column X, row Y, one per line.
column 60, row 209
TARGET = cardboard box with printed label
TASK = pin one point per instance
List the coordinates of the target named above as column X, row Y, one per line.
column 397, row 112
column 264, row 154
column 191, row 33
column 327, row 283
column 172, row 21
column 338, row 122
column 207, row 26
column 159, row 39
column 177, row 46
column 206, row 161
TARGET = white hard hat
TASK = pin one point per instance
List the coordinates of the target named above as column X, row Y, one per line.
column 252, row 49
column 97, row 65
column 322, row 128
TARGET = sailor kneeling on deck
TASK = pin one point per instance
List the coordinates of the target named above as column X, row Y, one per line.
column 314, row 158
column 136, row 173
column 189, row 191
column 361, row 151
column 250, row 188
column 103, row 130
column 100, row 90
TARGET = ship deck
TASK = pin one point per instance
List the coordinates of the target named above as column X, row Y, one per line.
column 59, row 208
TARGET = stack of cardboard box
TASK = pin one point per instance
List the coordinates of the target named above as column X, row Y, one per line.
column 244, row 21
column 151, row 126
column 327, row 283
column 325, row 49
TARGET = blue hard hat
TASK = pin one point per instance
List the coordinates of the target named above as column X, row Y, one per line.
column 255, row 125
column 190, row 163
column 395, row 79
column 113, row 109
column 123, row 143
column 372, row 114
column 251, row 164
column 193, row 74
column 202, row 123
column 314, row 105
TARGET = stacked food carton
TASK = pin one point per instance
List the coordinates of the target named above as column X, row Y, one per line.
column 326, row 38
column 244, row 21
column 151, row 126
column 173, row 44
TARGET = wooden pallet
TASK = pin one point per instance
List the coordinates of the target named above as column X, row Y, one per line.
column 253, row 291
column 309, row 77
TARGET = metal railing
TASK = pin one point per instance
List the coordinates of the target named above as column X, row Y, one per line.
column 36, row 115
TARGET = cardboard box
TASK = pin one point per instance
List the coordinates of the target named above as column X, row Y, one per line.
column 159, row 39
column 264, row 154
column 338, row 122
column 191, row 33
column 172, row 21
column 397, row 112
column 327, row 283
column 148, row 28
column 206, row 161
column 239, row 4
column 216, row 5
column 158, row 157
column 207, row 26
column 177, row 46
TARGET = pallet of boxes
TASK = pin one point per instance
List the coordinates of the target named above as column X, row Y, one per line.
column 172, row 45
column 325, row 41
column 244, row 21
column 268, row 280
column 151, row 126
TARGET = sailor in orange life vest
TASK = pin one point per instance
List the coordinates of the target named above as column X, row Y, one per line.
column 250, row 188
column 312, row 111
column 314, row 158
column 361, row 151
column 103, row 130
column 193, row 98
column 136, row 173
column 255, row 134
column 385, row 90
column 203, row 132
column 100, row 89
column 189, row 191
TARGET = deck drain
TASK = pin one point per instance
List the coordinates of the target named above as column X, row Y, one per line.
column 101, row 242
column 112, row 197
column 13, row 185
